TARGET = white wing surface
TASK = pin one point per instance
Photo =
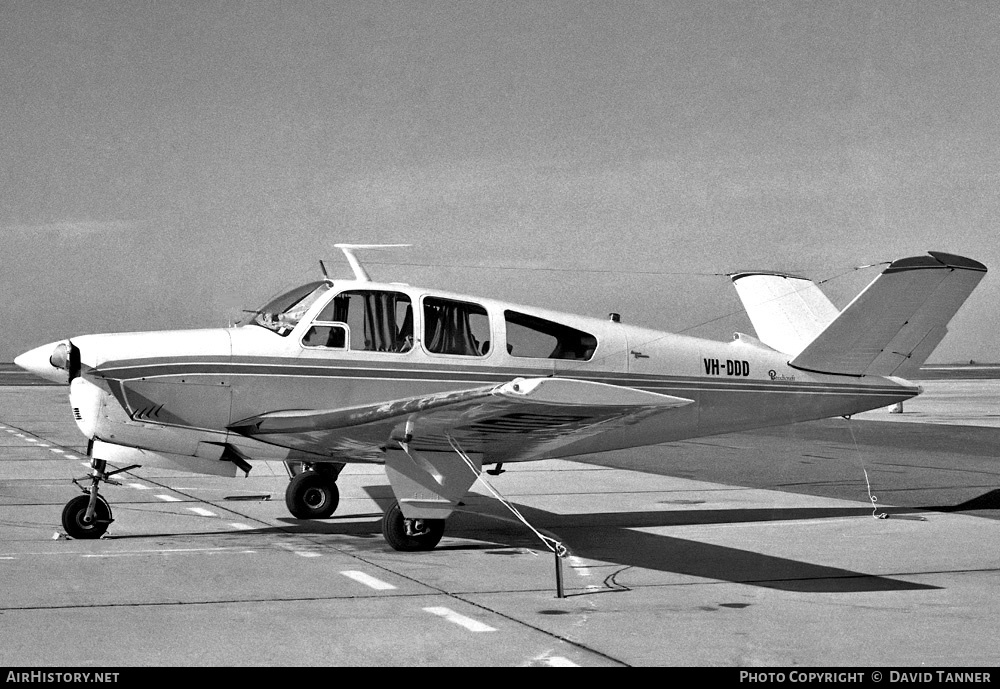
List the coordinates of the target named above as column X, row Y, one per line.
column 521, row 419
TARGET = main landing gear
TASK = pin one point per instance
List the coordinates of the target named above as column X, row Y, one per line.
column 89, row 515
column 312, row 492
column 410, row 535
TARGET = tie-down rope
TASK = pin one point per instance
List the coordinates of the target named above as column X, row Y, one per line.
column 550, row 543
column 875, row 513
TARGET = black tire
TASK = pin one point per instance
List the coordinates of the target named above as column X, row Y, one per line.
column 312, row 495
column 394, row 531
column 73, row 517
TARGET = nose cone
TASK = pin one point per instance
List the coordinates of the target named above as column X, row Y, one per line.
column 37, row 361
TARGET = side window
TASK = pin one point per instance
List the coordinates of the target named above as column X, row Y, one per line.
column 331, row 336
column 456, row 327
column 376, row 321
column 537, row 338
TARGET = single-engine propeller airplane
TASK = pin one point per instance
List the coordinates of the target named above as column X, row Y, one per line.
column 434, row 385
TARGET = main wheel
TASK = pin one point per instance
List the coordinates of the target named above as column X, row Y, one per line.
column 74, row 517
column 312, row 495
column 419, row 534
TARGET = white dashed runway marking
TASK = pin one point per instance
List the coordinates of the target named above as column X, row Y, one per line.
column 168, row 498
column 368, row 580
column 578, row 565
column 202, row 511
column 461, row 620
column 559, row 661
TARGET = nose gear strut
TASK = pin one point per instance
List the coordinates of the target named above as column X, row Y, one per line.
column 89, row 515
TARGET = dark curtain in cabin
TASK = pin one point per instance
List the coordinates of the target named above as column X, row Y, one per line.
column 447, row 328
column 378, row 315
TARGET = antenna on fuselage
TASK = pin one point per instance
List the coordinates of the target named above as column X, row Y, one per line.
column 359, row 272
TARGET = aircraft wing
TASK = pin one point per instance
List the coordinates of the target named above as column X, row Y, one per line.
column 520, row 419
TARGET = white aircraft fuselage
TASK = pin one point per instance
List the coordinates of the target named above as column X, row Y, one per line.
column 177, row 392
column 434, row 384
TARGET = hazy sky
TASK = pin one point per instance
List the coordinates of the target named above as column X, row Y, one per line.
column 165, row 164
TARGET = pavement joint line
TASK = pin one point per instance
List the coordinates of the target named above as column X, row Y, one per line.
column 461, row 620
column 227, row 601
column 368, row 580
column 168, row 551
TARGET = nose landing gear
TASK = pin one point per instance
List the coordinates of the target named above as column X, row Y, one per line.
column 89, row 515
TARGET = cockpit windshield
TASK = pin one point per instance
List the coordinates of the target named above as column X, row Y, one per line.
column 282, row 314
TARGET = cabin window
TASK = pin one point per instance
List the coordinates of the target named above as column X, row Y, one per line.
column 376, row 321
column 455, row 327
column 282, row 314
column 537, row 338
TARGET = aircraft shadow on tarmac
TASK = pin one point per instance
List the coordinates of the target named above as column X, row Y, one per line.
column 611, row 537
column 986, row 501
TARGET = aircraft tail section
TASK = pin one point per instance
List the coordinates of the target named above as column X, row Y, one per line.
column 787, row 311
column 896, row 322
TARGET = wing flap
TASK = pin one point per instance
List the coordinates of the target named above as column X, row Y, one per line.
column 516, row 420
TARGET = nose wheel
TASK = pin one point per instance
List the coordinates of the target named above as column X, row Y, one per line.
column 75, row 522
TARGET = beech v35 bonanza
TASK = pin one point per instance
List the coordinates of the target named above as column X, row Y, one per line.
column 435, row 385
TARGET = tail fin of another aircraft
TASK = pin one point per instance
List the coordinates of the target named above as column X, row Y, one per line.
column 888, row 330
column 788, row 312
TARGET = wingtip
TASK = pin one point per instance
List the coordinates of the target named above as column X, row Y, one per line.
column 935, row 260
column 953, row 261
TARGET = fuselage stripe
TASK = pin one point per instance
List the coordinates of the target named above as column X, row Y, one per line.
column 455, row 376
